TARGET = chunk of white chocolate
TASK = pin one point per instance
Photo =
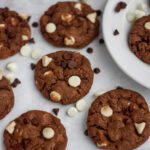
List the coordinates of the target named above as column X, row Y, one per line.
column 92, row 17
column 13, row 67
column 72, row 112
column 78, row 6
column 140, row 127
column 50, row 28
column 46, row 60
column 147, row 25
column 69, row 40
column 55, row 96
column 74, row 81
column 106, row 111
column 25, row 50
column 11, row 127
column 81, row 105
column 48, row 133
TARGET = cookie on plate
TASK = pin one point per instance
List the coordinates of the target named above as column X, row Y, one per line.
column 64, row 76
column 119, row 120
column 14, row 33
column 6, row 97
column 35, row 130
column 70, row 24
column 139, row 39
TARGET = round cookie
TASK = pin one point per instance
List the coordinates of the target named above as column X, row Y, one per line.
column 119, row 120
column 6, row 97
column 70, row 24
column 64, row 76
column 35, row 130
column 139, row 39
column 14, row 33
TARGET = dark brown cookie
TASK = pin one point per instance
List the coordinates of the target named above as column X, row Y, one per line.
column 35, row 130
column 64, row 77
column 119, row 120
column 6, row 98
column 139, row 39
column 70, row 24
column 14, row 33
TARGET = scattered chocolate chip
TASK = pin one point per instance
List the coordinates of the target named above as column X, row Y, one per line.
column 35, row 24
column 119, row 88
column 101, row 41
column 15, row 83
column 28, row 19
column 116, row 32
column 55, row 111
column 32, row 40
column 33, row 66
column 89, row 50
column 34, row 121
column 63, row 64
column 86, row 132
column 120, row 6
column 99, row 12
column 96, row 70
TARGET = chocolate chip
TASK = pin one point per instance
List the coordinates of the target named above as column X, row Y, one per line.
column 32, row 41
column 101, row 41
column 35, row 24
column 99, row 12
column 119, row 88
column 96, row 70
column 86, row 132
column 72, row 64
column 55, row 111
column 33, row 66
column 15, row 83
column 28, row 19
column 63, row 65
column 89, row 50
column 116, row 32
column 34, row 122
column 120, row 6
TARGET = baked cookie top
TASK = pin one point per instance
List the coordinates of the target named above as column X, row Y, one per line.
column 139, row 39
column 64, row 76
column 70, row 24
column 14, row 32
column 119, row 120
column 6, row 97
column 35, row 130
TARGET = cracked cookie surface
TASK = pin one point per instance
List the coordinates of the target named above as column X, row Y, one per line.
column 119, row 120
column 70, row 24
column 139, row 39
column 14, row 33
column 35, row 130
column 66, row 78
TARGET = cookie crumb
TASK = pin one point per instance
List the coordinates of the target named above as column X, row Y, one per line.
column 35, row 24
column 116, row 32
column 32, row 66
column 86, row 132
column 55, row 111
column 101, row 41
column 120, row 6
column 89, row 50
column 96, row 70
column 15, row 83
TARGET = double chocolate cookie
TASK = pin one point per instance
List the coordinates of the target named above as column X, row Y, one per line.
column 139, row 39
column 14, row 32
column 70, row 24
column 6, row 97
column 35, row 130
column 119, row 120
column 64, row 77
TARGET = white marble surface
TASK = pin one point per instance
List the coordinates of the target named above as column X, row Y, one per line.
column 27, row 97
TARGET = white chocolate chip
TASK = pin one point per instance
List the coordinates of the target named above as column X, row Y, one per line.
column 12, row 67
column 97, row 94
column 139, row 14
column 81, row 105
column 78, row 6
column 131, row 17
column 55, row 96
column 92, row 17
column 50, row 28
column 106, row 111
column 140, row 127
column 24, row 16
column 11, row 127
column 74, row 81
column 36, row 54
column 69, row 40
column 104, row 144
column 46, row 60
column 1, row 74
column 48, row 133
column 10, row 77
column 72, row 112
column 142, row 6
column 67, row 17
column 24, row 37
column 147, row 25
column 2, row 25
column 25, row 50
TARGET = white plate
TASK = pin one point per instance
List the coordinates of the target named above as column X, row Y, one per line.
column 118, row 45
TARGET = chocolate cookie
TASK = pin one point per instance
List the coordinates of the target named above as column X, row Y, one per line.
column 119, row 120
column 14, row 33
column 35, row 130
column 139, row 39
column 6, row 97
column 64, row 77
column 70, row 24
